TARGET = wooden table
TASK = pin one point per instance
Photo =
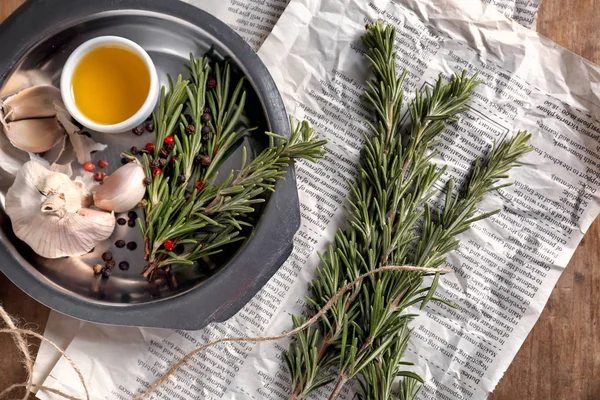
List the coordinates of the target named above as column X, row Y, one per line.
column 560, row 359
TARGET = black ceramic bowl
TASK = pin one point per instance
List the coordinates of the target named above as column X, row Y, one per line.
column 36, row 40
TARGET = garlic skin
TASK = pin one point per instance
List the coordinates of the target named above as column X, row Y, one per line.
column 35, row 102
column 46, row 212
column 123, row 189
column 82, row 145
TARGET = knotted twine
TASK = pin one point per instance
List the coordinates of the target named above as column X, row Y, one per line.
column 19, row 336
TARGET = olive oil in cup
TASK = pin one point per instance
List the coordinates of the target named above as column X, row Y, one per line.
column 109, row 84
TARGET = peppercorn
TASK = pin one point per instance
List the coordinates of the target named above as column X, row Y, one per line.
column 124, row 265
column 102, row 164
column 181, row 179
column 206, row 117
column 106, row 272
column 89, row 166
column 120, row 244
column 207, row 110
column 170, row 147
column 121, row 221
column 147, row 181
column 163, row 153
column 206, row 160
column 132, row 215
column 156, row 171
column 99, row 176
column 169, row 139
column 107, row 256
column 205, row 137
column 154, row 164
column 131, row 246
column 190, row 130
column 211, row 83
column 150, row 126
column 149, row 147
column 199, row 185
column 131, row 223
column 110, row 264
column 137, row 130
column 206, row 130
column 163, row 162
column 124, row 160
column 198, row 159
column 169, row 245
column 98, row 268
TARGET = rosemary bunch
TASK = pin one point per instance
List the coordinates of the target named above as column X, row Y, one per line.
column 364, row 335
column 199, row 123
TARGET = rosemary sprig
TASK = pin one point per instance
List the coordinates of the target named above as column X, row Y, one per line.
column 199, row 123
column 366, row 333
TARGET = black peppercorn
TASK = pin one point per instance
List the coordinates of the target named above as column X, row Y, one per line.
column 137, row 130
column 198, row 159
column 131, row 223
column 132, row 215
column 206, row 117
column 107, row 256
column 134, row 150
column 120, row 244
column 181, row 179
column 154, row 164
column 110, row 264
column 150, row 126
column 206, row 160
column 190, row 130
column 163, row 162
column 170, row 147
column 147, row 181
column 105, row 272
column 121, row 221
column 207, row 110
column 131, row 246
column 124, row 161
column 206, row 130
column 124, row 265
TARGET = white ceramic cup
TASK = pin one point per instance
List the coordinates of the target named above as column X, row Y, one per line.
column 67, row 76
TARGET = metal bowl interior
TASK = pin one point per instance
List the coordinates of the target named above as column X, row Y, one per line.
column 169, row 40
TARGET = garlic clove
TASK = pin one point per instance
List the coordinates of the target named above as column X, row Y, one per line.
column 123, row 189
column 45, row 209
column 35, row 102
column 24, row 79
column 34, row 135
column 11, row 159
column 83, row 145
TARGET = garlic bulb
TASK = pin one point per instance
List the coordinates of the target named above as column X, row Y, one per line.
column 35, row 102
column 46, row 212
column 123, row 189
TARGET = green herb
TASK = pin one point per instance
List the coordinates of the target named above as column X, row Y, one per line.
column 365, row 334
column 185, row 205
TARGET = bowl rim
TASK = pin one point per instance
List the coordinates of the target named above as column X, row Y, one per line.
column 228, row 290
column 66, row 80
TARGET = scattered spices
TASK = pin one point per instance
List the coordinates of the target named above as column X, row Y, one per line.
column 124, row 265
column 205, row 137
column 131, row 246
column 150, row 126
column 163, row 162
column 174, row 158
column 169, row 139
column 170, row 147
column 124, row 160
column 89, row 166
column 207, row 110
column 131, row 223
column 206, row 160
column 206, row 117
column 132, row 215
column 107, row 256
column 98, row 268
column 211, row 83
column 154, row 164
column 121, row 221
column 156, row 171
column 110, row 264
column 199, row 185
column 149, row 147
column 137, row 130
column 102, row 164
column 163, row 153
column 181, row 179
column 206, row 130
column 106, row 272
column 147, row 181
column 190, row 130
column 120, row 244
column 169, row 245
column 99, row 176
column 198, row 159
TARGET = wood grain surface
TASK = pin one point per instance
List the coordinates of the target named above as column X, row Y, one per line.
column 560, row 360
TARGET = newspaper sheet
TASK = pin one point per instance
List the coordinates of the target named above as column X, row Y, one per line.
column 507, row 265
